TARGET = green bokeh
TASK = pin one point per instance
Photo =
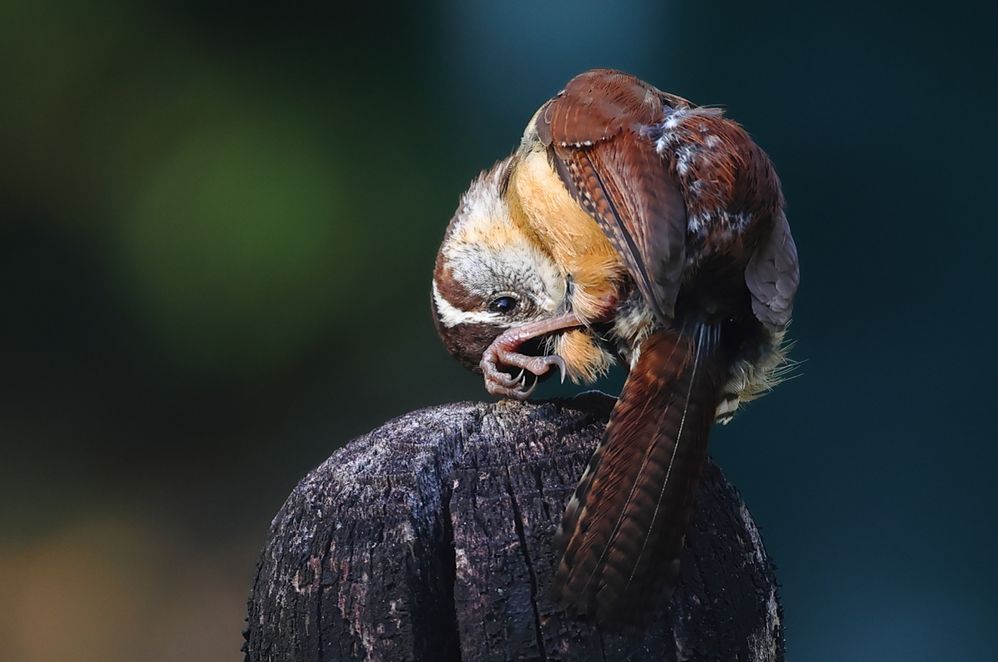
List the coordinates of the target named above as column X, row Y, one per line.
column 237, row 248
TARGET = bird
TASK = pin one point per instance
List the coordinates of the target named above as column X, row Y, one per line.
column 629, row 225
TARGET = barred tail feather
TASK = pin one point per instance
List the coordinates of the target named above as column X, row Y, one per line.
column 623, row 530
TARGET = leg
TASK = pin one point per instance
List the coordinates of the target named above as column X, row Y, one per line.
column 502, row 351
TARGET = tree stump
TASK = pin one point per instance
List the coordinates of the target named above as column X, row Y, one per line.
column 430, row 539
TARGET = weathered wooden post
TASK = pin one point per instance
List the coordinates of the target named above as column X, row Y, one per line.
column 430, row 539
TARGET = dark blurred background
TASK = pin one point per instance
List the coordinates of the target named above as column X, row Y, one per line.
column 217, row 229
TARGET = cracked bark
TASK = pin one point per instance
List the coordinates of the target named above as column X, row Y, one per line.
column 430, row 539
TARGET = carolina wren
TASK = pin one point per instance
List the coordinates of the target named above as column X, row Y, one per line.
column 629, row 224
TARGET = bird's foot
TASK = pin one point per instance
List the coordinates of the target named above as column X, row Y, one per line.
column 503, row 352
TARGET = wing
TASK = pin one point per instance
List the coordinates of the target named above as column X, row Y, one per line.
column 772, row 276
column 596, row 130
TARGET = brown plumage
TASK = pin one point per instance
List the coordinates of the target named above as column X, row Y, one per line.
column 629, row 223
column 623, row 530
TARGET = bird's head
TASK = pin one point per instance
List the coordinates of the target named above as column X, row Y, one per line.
column 490, row 273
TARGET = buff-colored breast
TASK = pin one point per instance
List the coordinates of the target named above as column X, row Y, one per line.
column 541, row 205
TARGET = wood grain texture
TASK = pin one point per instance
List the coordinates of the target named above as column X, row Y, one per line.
column 430, row 538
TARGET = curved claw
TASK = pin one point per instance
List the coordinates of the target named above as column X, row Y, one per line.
column 499, row 383
column 529, row 391
column 541, row 364
column 502, row 352
column 516, row 393
column 493, row 374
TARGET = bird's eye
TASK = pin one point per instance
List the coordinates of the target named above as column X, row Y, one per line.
column 503, row 305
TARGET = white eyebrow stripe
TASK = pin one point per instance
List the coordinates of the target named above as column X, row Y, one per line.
column 451, row 316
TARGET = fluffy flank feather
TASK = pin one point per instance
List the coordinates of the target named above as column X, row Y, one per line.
column 754, row 376
column 585, row 360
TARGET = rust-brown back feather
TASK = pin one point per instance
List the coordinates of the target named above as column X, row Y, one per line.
column 597, row 129
column 623, row 530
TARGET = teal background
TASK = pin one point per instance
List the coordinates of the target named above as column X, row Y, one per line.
column 217, row 227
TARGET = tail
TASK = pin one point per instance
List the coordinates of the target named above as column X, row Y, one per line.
column 624, row 528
